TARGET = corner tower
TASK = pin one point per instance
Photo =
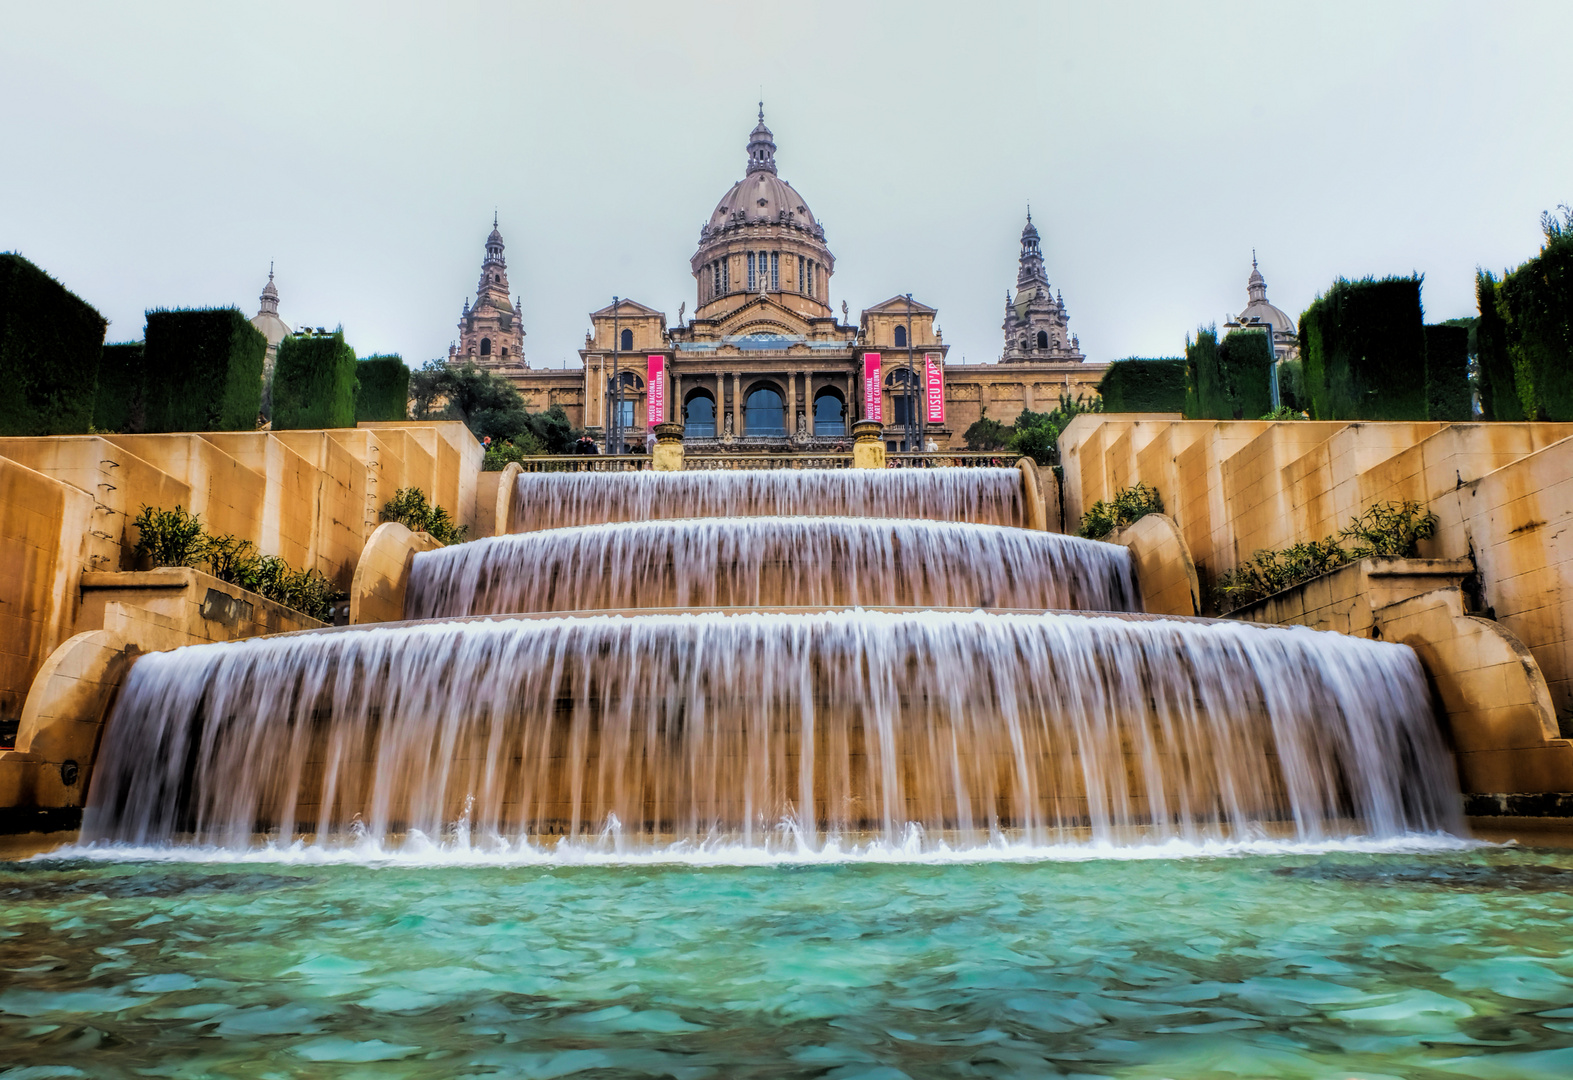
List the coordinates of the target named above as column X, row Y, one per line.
column 762, row 238
column 1037, row 326
column 490, row 333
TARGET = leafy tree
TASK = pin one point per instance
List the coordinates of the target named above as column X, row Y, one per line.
column 488, row 404
column 986, row 434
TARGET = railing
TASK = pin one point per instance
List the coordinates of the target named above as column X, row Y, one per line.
column 975, row 459
column 572, row 463
column 767, row 461
column 577, row 463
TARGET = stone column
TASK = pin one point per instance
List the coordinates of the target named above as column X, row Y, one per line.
column 668, row 455
column 808, row 398
column 737, row 403
column 868, row 446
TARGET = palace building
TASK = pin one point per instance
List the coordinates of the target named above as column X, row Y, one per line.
column 765, row 362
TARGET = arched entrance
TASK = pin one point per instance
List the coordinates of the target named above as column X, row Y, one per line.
column 699, row 416
column 830, row 414
column 764, row 412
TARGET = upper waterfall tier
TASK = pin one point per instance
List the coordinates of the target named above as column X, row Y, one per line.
column 776, row 729
column 771, row 562
column 555, row 500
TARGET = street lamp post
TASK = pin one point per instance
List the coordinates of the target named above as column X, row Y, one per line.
column 910, row 429
column 614, row 430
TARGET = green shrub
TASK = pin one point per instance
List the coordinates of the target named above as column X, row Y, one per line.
column 1291, row 386
column 314, row 382
column 1447, row 373
column 409, row 508
column 51, row 342
column 1529, row 322
column 488, row 404
column 986, row 434
column 121, row 404
column 169, row 537
column 1144, row 386
column 1227, row 380
column 1385, row 529
column 203, row 370
column 1498, row 393
column 176, row 538
column 1363, row 347
column 382, row 389
column 1130, row 505
column 501, row 452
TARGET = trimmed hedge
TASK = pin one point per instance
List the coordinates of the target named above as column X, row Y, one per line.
column 51, row 342
column 314, row 382
column 1228, row 380
column 1533, row 309
column 1144, row 386
column 382, row 388
column 1363, row 345
column 204, row 370
column 1498, row 394
column 122, row 389
column 1447, row 373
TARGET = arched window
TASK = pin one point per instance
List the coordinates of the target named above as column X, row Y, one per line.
column 903, row 386
column 901, row 337
column 699, row 416
column 504, row 352
column 830, row 414
column 1043, row 339
column 486, row 346
column 627, row 341
column 762, row 413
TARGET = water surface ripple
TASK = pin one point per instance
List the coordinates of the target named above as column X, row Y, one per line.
column 1339, row 964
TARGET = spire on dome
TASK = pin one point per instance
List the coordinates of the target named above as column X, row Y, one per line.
column 761, row 146
column 1256, row 285
column 494, row 246
column 1031, row 271
column 270, row 295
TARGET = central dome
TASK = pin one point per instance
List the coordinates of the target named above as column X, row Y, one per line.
column 762, row 197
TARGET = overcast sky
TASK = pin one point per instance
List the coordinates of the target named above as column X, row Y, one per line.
column 162, row 154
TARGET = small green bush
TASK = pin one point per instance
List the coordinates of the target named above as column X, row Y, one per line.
column 986, row 434
column 169, row 537
column 51, row 342
column 177, row 538
column 501, row 452
column 1392, row 529
column 202, row 370
column 1144, row 386
column 409, row 508
column 1130, row 505
column 382, row 389
column 314, row 382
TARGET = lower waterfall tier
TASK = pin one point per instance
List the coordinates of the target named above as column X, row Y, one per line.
column 559, row 500
column 771, row 562
column 778, row 730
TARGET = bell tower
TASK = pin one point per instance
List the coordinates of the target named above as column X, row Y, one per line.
column 491, row 334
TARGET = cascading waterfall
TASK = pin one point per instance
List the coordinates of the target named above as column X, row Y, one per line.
column 771, row 562
column 559, row 500
column 777, row 730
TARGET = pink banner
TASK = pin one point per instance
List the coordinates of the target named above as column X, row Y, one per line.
column 873, row 392
column 936, row 388
column 655, row 392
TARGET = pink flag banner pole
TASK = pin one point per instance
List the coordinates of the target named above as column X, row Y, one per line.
column 873, row 397
column 936, row 388
column 655, row 391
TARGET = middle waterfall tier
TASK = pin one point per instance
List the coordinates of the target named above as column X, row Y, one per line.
column 771, row 562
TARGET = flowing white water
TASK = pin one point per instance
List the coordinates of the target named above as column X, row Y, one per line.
column 802, row 732
column 771, row 562
column 557, row 500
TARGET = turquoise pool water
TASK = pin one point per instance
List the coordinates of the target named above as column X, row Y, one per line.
column 1419, row 963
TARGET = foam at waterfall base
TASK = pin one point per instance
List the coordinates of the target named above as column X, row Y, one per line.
column 712, row 563
column 707, row 732
column 559, row 500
